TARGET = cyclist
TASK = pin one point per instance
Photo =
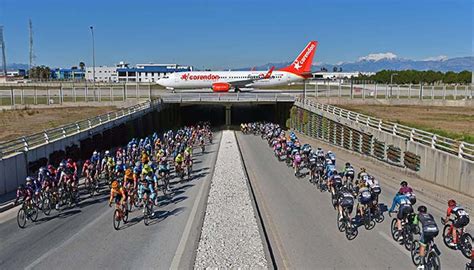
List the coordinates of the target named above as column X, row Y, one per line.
column 364, row 197
column 460, row 220
column 330, row 168
column 334, row 183
column 405, row 208
column 405, row 189
column 330, row 155
column 348, row 172
column 429, row 230
column 345, row 201
column 362, row 173
column 24, row 193
column 118, row 194
column 179, row 162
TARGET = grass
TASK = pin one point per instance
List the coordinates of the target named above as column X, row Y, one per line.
column 452, row 122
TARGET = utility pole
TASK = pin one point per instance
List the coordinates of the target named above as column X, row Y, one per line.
column 93, row 58
column 4, row 59
column 32, row 56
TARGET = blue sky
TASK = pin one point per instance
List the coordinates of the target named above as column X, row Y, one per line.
column 220, row 34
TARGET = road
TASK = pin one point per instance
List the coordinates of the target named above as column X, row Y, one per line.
column 84, row 238
column 301, row 222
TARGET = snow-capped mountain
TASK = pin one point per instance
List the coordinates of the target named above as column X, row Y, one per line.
column 379, row 61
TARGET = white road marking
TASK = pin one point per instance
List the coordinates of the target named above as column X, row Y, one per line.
column 72, row 238
column 187, row 229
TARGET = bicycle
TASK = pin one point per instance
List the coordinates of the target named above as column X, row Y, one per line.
column 407, row 232
column 464, row 239
column 345, row 225
column 369, row 223
column 147, row 209
column 28, row 211
column 432, row 253
column 120, row 214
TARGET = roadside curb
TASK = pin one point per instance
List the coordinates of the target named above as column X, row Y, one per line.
column 6, row 206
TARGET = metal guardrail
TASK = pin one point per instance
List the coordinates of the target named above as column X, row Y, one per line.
column 26, row 142
column 459, row 148
column 227, row 97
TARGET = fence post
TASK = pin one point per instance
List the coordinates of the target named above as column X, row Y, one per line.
column 124, row 91
column 375, row 95
column 380, row 125
column 21, row 96
column 386, row 91
column 36, row 95
column 461, row 150
column 339, row 88
column 412, row 134
column 316, row 89
column 444, row 91
column 60, row 93
column 455, row 91
column 432, row 92
column 12, row 96
column 466, row 90
column 394, row 129
column 111, row 94
column 398, row 91
column 136, row 90
column 49, row 96
column 433, row 141
column 363, row 90
column 409, row 90
column 86, row 92
column 149, row 91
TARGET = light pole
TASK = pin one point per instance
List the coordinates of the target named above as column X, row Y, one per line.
column 391, row 82
column 93, row 57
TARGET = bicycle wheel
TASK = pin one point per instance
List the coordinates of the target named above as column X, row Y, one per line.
column 33, row 213
column 415, row 256
column 394, row 229
column 21, row 218
column 408, row 240
column 433, row 262
column 351, row 231
column 369, row 223
column 466, row 245
column 125, row 216
column 341, row 226
column 117, row 219
column 448, row 237
column 46, row 206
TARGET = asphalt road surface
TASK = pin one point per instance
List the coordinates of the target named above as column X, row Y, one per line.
column 84, row 237
column 301, row 222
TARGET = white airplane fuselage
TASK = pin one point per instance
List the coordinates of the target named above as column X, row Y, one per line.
column 206, row 79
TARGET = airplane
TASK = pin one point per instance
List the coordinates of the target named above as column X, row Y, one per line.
column 223, row 81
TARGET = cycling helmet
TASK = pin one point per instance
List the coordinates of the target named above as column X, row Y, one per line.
column 42, row 170
column 329, row 152
column 403, row 183
column 69, row 160
column 114, row 184
column 136, row 170
column 29, row 179
column 362, row 169
column 107, row 152
column 128, row 172
column 422, row 209
column 62, row 165
column 88, row 162
column 348, row 164
column 451, row 203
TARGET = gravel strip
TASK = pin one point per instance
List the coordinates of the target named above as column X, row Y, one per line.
column 230, row 235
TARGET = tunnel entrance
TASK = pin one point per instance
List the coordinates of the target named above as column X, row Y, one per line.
column 234, row 114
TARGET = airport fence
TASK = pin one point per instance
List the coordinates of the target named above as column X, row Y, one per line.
column 388, row 91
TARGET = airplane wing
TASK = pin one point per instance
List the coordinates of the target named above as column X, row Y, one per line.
column 245, row 82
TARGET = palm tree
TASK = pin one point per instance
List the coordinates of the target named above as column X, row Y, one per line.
column 82, row 65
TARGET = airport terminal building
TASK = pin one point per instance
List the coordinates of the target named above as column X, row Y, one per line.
column 140, row 73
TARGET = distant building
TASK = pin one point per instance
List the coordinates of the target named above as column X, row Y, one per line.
column 148, row 72
column 324, row 75
column 16, row 73
column 102, row 74
column 67, row 74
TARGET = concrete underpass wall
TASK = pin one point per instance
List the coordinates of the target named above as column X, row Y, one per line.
column 239, row 113
column 15, row 168
column 434, row 165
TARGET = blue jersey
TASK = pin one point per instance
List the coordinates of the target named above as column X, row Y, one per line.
column 399, row 199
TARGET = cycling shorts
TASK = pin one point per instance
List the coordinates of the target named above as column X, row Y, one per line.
column 404, row 211
column 461, row 222
column 118, row 198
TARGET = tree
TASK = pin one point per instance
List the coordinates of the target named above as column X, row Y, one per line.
column 40, row 73
column 340, row 69
column 334, row 69
column 82, row 65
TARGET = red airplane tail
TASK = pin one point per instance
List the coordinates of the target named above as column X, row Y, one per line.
column 302, row 64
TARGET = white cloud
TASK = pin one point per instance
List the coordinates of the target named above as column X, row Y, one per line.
column 436, row 58
column 378, row 56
